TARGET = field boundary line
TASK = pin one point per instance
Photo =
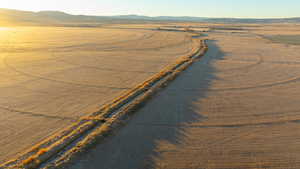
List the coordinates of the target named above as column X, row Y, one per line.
column 80, row 135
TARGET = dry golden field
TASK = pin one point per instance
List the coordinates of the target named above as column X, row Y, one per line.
column 52, row 76
column 237, row 108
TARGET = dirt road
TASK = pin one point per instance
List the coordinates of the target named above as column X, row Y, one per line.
column 237, row 108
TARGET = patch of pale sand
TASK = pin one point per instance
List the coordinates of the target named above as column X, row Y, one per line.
column 50, row 76
column 209, row 118
column 278, row 29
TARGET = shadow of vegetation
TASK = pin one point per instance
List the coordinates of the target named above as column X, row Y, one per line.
column 163, row 119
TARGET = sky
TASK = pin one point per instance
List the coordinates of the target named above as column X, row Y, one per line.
column 200, row 8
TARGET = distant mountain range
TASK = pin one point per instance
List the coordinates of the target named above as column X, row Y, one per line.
column 17, row 17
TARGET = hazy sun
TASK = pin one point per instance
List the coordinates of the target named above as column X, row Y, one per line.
column 21, row 5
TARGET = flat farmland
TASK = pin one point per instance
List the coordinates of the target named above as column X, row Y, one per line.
column 237, row 108
column 52, row 76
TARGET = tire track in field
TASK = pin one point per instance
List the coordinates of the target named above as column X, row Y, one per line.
column 107, row 69
column 266, row 85
column 185, row 41
column 145, row 36
column 259, row 86
column 149, row 49
column 272, row 62
column 288, row 112
column 295, row 79
column 36, row 114
column 233, row 125
column 58, row 81
column 247, row 67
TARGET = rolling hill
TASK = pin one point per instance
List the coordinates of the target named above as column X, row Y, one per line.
column 17, row 17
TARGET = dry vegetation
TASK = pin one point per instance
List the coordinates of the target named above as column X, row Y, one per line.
column 119, row 119
column 50, row 76
column 286, row 39
column 46, row 148
column 235, row 69
column 143, row 92
column 236, row 108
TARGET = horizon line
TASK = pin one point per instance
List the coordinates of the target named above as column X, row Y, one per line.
column 152, row 16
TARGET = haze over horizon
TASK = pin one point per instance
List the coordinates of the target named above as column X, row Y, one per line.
column 197, row 8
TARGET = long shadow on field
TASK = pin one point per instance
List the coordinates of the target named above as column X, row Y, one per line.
column 162, row 120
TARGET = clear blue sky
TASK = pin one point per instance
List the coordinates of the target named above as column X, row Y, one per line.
column 203, row 8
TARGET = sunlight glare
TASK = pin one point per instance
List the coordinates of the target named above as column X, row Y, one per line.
column 21, row 5
column 4, row 28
